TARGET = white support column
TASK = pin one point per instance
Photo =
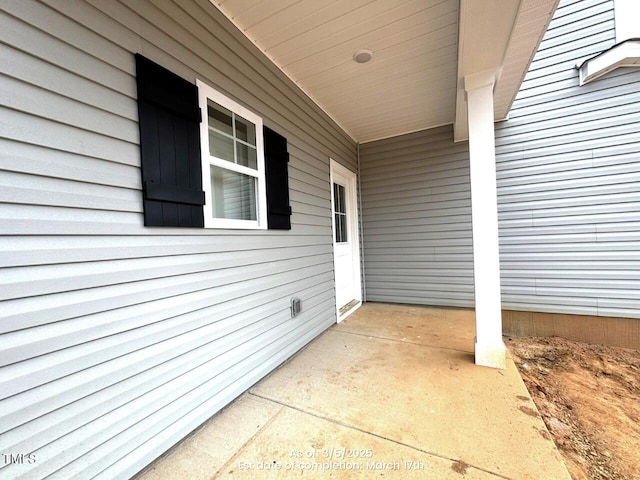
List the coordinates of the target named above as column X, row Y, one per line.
column 489, row 349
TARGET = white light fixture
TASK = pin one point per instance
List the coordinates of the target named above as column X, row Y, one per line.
column 362, row 56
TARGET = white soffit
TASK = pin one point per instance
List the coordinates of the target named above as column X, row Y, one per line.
column 410, row 82
column 420, row 55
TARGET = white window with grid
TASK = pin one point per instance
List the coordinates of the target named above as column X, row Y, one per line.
column 233, row 175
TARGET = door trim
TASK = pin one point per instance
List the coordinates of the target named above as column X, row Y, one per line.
column 354, row 226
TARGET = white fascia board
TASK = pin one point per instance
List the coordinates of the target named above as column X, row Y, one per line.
column 494, row 35
column 484, row 33
column 625, row 54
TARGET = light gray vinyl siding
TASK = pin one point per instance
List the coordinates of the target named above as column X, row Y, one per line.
column 568, row 166
column 117, row 340
column 416, row 208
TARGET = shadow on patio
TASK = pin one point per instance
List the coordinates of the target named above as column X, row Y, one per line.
column 390, row 392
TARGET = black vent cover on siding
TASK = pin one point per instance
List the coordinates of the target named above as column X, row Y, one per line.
column 276, row 158
column 169, row 147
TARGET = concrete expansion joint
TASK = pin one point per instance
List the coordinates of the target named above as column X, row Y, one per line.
column 234, row 458
column 352, row 427
column 405, row 342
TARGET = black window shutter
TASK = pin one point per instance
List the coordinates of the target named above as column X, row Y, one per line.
column 169, row 147
column 276, row 159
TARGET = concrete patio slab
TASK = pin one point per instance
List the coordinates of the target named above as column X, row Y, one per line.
column 297, row 444
column 451, row 328
column 389, row 385
column 216, row 443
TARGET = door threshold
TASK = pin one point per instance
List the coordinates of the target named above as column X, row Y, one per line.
column 348, row 309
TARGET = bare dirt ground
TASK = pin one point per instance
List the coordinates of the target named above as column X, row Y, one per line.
column 589, row 397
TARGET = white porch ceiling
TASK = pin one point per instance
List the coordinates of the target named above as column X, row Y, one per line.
column 412, row 81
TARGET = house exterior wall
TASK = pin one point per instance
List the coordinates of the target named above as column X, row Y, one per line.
column 568, row 171
column 116, row 340
column 416, row 210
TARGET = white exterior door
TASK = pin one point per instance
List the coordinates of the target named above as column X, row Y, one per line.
column 346, row 240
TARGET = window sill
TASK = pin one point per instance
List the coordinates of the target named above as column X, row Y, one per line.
column 227, row 224
column 625, row 54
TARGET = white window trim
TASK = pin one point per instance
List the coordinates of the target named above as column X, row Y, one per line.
column 207, row 92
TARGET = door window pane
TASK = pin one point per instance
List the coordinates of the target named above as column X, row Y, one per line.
column 340, row 213
column 339, row 198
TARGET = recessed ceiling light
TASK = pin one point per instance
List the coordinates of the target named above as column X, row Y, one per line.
column 362, row 56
